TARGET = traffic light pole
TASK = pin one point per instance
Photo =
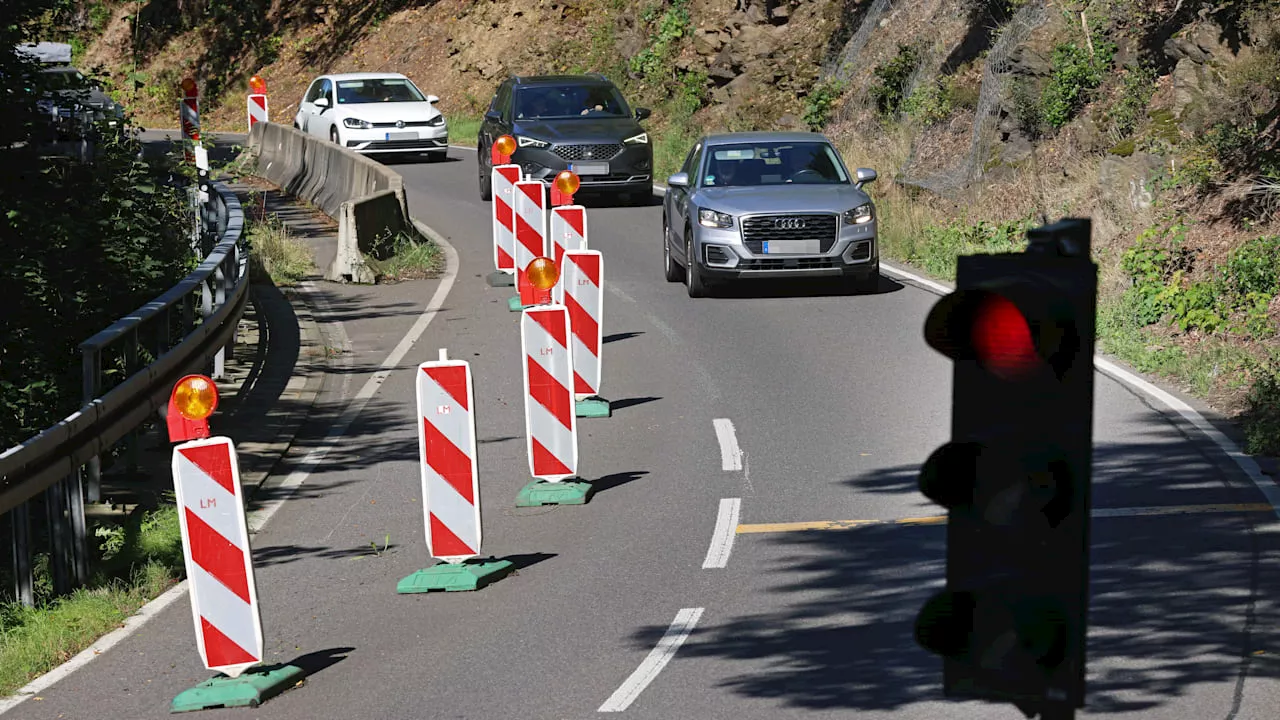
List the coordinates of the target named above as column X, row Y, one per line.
column 1065, row 712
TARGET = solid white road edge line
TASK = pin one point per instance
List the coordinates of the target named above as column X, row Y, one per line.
column 725, row 532
column 259, row 518
column 730, row 453
column 658, row 658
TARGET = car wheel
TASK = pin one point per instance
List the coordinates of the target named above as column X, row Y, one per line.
column 333, row 136
column 486, row 182
column 693, row 282
column 672, row 270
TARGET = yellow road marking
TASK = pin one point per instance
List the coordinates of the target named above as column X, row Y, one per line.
column 942, row 519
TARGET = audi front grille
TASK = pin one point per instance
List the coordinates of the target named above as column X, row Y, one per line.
column 578, row 153
column 759, row 229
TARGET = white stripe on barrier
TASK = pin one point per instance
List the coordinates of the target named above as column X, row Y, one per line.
column 583, row 280
column 550, row 417
column 447, row 456
column 530, row 224
column 504, row 178
column 223, row 609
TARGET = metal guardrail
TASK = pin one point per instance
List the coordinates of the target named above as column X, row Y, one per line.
column 53, row 462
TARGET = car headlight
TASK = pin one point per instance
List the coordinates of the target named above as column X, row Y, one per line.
column 357, row 124
column 641, row 139
column 713, row 219
column 436, row 121
column 860, row 215
column 522, row 141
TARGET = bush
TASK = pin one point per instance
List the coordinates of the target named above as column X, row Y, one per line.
column 821, row 102
column 891, row 80
column 1076, row 74
column 1262, row 418
column 930, row 103
column 1136, row 89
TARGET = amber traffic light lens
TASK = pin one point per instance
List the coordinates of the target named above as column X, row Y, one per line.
column 505, row 145
column 543, row 273
column 567, row 182
column 195, row 397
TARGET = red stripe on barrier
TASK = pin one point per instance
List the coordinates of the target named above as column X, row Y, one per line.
column 214, row 461
column 505, row 260
column 580, row 385
column 218, row 556
column 547, row 320
column 544, row 463
column 449, row 461
column 590, row 265
column 504, row 212
column 549, row 393
column 575, row 219
column 444, row 543
column 222, row 650
column 259, row 100
column 530, row 238
column 534, row 192
column 585, row 327
column 453, row 380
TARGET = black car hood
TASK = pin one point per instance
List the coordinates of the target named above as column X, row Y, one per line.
column 584, row 129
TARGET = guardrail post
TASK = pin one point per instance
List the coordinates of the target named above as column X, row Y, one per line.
column 23, row 582
column 131, row 441
column 91, row 383
column 79, row 539
column 55, row 500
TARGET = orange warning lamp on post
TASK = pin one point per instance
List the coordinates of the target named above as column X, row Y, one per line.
column 193, row 400
column 501, row 151
column 543, row 275
column 257, row 85
column 189, row 88
column 565, row 185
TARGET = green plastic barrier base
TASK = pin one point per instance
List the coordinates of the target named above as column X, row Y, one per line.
column 593, row 407
column 565, row 492
column 464, row 576
column 513, row 304
column 254, row 687
column 500, row 279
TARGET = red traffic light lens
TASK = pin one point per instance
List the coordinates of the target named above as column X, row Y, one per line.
column 1002, row 339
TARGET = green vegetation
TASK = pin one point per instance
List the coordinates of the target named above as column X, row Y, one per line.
column 137, row 562
column 890, row 85
column 654, row 60
column 463, row 129
column 931, row 102
column 821, row 102
column 276, row 255
column 406, row 258
column 1076, row 74
column 1137, row 86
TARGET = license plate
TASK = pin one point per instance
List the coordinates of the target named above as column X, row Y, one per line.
column 791, row 247
column 402, row 136
column 590, row 168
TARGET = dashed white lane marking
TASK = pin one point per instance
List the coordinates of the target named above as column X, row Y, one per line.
column 722, row 538
column 730, row 453
column 658, row 658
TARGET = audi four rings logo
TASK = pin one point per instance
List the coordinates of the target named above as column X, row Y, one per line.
column 788, row 224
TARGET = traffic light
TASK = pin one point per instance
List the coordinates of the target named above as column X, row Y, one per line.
column 1015, row 478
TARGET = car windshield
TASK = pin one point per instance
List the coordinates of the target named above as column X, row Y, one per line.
column 566, row 101
column 377, row 90
column 65, row 79
column 773, row 163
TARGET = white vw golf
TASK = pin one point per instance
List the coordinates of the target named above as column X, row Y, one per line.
column 374, row 113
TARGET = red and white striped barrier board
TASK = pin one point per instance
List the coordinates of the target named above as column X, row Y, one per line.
column 215, row 544
column 583, row 283
column 447, row 448
column 568, row 230
column 257, row 109
column 504, row 182
column 189, row 116
column 531, row 229
column 550, row 417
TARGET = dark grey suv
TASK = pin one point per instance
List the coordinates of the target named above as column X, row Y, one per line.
column 570, row 122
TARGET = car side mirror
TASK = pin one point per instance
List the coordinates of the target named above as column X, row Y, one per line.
column 321, row 102
column 643, row 113
column 680, row 179
column 493, row 116
column 865, row 176
column 433, row 99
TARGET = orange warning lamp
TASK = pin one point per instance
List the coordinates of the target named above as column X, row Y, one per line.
column 193, row 400
column 543, row 273
column 189, row 87
column 502, row 149
column 567, row 182
column 257, row 85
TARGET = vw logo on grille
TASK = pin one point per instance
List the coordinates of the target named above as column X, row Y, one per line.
column 400, row 123
column 788, row 223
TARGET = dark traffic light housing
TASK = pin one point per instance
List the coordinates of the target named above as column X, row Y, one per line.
column 1015, row 478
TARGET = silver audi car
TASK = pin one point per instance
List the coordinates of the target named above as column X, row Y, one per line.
column 768, row 205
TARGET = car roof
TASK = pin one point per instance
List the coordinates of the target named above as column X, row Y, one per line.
column 366, row 76
column 588, row 79
column 765, row 136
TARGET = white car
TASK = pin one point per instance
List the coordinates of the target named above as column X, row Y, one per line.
column 374, row 113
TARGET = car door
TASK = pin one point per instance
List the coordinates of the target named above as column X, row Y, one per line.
column 490, row 129
column 306, row 108
column 323, row 117
column 678, row 214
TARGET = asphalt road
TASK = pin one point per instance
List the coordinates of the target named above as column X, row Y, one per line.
column 834, row 401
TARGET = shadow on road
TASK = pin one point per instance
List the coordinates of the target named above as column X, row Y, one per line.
column 815, row 287
column 617, row 337
column 316, row 662
column 609, row 482
column 1178, row 603
column 630, row 402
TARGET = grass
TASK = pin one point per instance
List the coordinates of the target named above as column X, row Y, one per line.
column 463, row 129
column 139, row 561
column 407, row 258
column 276, row 254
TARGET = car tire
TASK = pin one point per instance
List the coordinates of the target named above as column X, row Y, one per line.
column 486, row 180
column 671, row 269
column 333, row 136
column 693, row 282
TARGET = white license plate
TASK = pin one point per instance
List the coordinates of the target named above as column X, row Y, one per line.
column 792, row 247
column 590, row 168
column 402, row 136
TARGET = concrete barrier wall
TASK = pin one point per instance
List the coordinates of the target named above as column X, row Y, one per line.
column 364, row 196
